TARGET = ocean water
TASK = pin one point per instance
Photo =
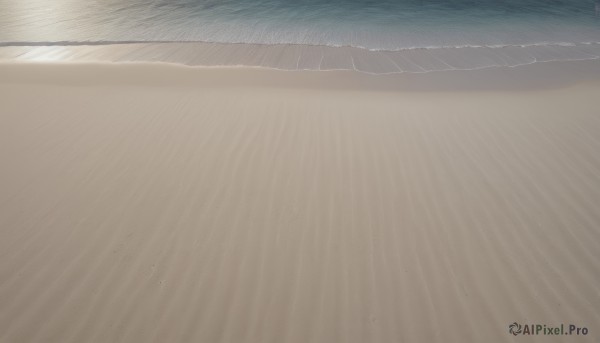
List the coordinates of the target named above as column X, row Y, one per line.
column 543, row 29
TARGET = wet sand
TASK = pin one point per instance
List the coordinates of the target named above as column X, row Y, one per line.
column 301, row 57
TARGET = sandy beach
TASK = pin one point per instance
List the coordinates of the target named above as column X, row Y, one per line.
column 162, row 203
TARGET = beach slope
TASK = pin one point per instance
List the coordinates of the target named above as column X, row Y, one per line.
column 160, row 203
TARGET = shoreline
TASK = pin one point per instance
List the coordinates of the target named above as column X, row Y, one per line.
column 298, row 57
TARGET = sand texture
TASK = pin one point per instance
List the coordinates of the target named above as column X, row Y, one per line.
column 138, row 211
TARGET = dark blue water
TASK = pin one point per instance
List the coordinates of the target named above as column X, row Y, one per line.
column 381, row 24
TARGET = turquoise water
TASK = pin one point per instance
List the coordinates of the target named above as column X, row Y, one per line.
column 387, row 25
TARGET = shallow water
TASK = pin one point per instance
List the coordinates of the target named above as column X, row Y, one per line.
column 387, row 25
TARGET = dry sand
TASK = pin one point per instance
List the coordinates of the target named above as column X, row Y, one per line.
column 156, row 203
